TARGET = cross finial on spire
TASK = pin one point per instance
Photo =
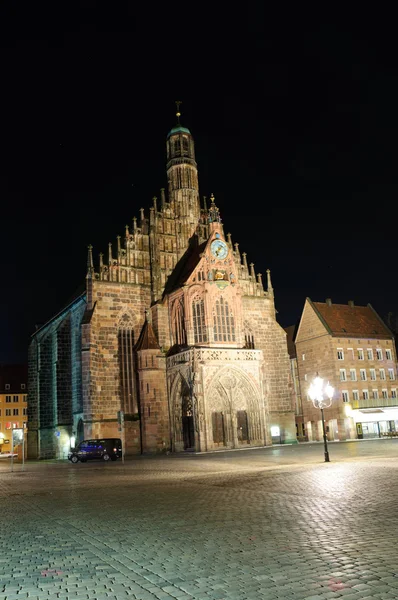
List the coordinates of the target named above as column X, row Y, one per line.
column 178, row 102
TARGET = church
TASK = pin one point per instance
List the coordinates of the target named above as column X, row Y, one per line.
column 173, row 344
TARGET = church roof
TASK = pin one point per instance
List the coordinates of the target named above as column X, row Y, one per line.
column 178, row 129
column 184, row 267
column 147, row 339
column 348, row 320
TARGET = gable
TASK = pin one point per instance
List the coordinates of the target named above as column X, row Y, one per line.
column 311, row 325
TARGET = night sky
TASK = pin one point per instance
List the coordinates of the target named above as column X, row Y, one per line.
column 294, row 118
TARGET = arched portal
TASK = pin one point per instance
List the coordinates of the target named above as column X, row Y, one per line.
column 235, row 415
column 183, row 415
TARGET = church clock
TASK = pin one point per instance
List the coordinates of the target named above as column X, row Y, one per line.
column 219, row 249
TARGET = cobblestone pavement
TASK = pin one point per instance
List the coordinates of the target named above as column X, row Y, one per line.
column 274, row 523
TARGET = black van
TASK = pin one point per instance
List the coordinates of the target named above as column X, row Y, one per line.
column 105, row 449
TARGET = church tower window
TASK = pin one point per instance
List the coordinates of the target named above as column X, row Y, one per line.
column 223, row 321
column 199, row 325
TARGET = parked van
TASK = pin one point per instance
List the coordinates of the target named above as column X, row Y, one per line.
column 104, row 449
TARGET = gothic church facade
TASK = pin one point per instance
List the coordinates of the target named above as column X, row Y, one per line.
column 174, row 329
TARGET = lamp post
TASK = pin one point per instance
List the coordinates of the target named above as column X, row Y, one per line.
column 321, row 396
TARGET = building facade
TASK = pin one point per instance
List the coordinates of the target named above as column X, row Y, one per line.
column 13, row 402
column 352, row 348
column 174, row 329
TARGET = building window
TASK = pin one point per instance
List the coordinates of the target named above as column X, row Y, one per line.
column 224, row 324
column 345, row 396
column 25, row 424
column 8, row 399
column 303, row 356
column 373, row 374
column 199, row 324
column 340, row 354
column 388, row 355
column 23, row 386
column 382, row 374
column 8, row 425
column 126, row 363
column 25, row 399
column 391, row 374
column 15, row 399
column 353, row 374
column 178, row 322
column 365, row 394
column 350, row 351
column 393, row 393
column 363, row 374
column 369, row 352
column 375, row 394
column 7, row 386
column 379, row 354
column 8, row 412
column 25, row 411
column 343, row 375
column 15, row 412
column 355, row 395
column 384, row 394
column 360, row 354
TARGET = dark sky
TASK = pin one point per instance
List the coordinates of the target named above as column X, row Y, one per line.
column 295, row 122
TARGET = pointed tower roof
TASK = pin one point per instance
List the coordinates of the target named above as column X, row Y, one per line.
column 147, row 339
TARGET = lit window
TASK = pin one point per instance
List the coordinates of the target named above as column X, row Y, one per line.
column 388, row 355
column 25, row 424
column 15, row 399
column 8, row 412
column 353, row 374
column 15, row 412
column 369, row 352
column 373, row 374
column 391, row 374
column 393, row 393
column 8, row 399
column 340, row 354
column 303, row 356
column 223, row 322
column 199, row 325
column 375, row 394
column 305, row 377
column 360, row 354
column 363, row 374
column 379, row 354
column 384, row 393
column 343, row 375
column 345, row 396
column 382, row 373
column 365, row 394
column 355, row 395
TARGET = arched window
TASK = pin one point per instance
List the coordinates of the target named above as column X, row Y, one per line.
column 126, row 362
column 177, row 147
column 178, row 323
column 185, row 145
column 223, row 321
column 199, row 325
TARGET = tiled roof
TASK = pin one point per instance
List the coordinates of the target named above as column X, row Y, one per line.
column 13, row 376
column 147, row 339
column 344, row 320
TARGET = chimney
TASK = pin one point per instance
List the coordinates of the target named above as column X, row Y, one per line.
column 329, row 301
column 351, row 303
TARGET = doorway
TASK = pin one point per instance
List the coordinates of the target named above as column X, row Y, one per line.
column 243, row 429
column 218, row 429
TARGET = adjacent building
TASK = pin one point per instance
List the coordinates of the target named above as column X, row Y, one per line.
column 174, row 329
column 13, row 402
column 353, row 348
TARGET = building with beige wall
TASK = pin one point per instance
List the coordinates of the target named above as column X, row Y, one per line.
column 174, row 328
column 352, row 348
column 13, row 402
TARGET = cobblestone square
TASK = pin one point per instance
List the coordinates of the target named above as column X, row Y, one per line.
column 273, row 523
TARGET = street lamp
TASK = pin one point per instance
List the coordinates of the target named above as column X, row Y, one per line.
column 321, row 396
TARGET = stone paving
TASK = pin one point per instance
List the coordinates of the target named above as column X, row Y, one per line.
column 259, row 524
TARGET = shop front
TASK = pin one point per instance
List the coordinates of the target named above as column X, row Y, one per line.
column 375, row 422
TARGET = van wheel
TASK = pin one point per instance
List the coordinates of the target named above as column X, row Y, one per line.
column 106, row 457
column 74, row 459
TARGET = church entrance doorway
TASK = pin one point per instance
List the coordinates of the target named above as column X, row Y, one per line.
column 218, row 429
column 188, row 430
column 80, row 432
column 243, row 429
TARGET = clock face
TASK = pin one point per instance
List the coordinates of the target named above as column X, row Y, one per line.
column 219, row 249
